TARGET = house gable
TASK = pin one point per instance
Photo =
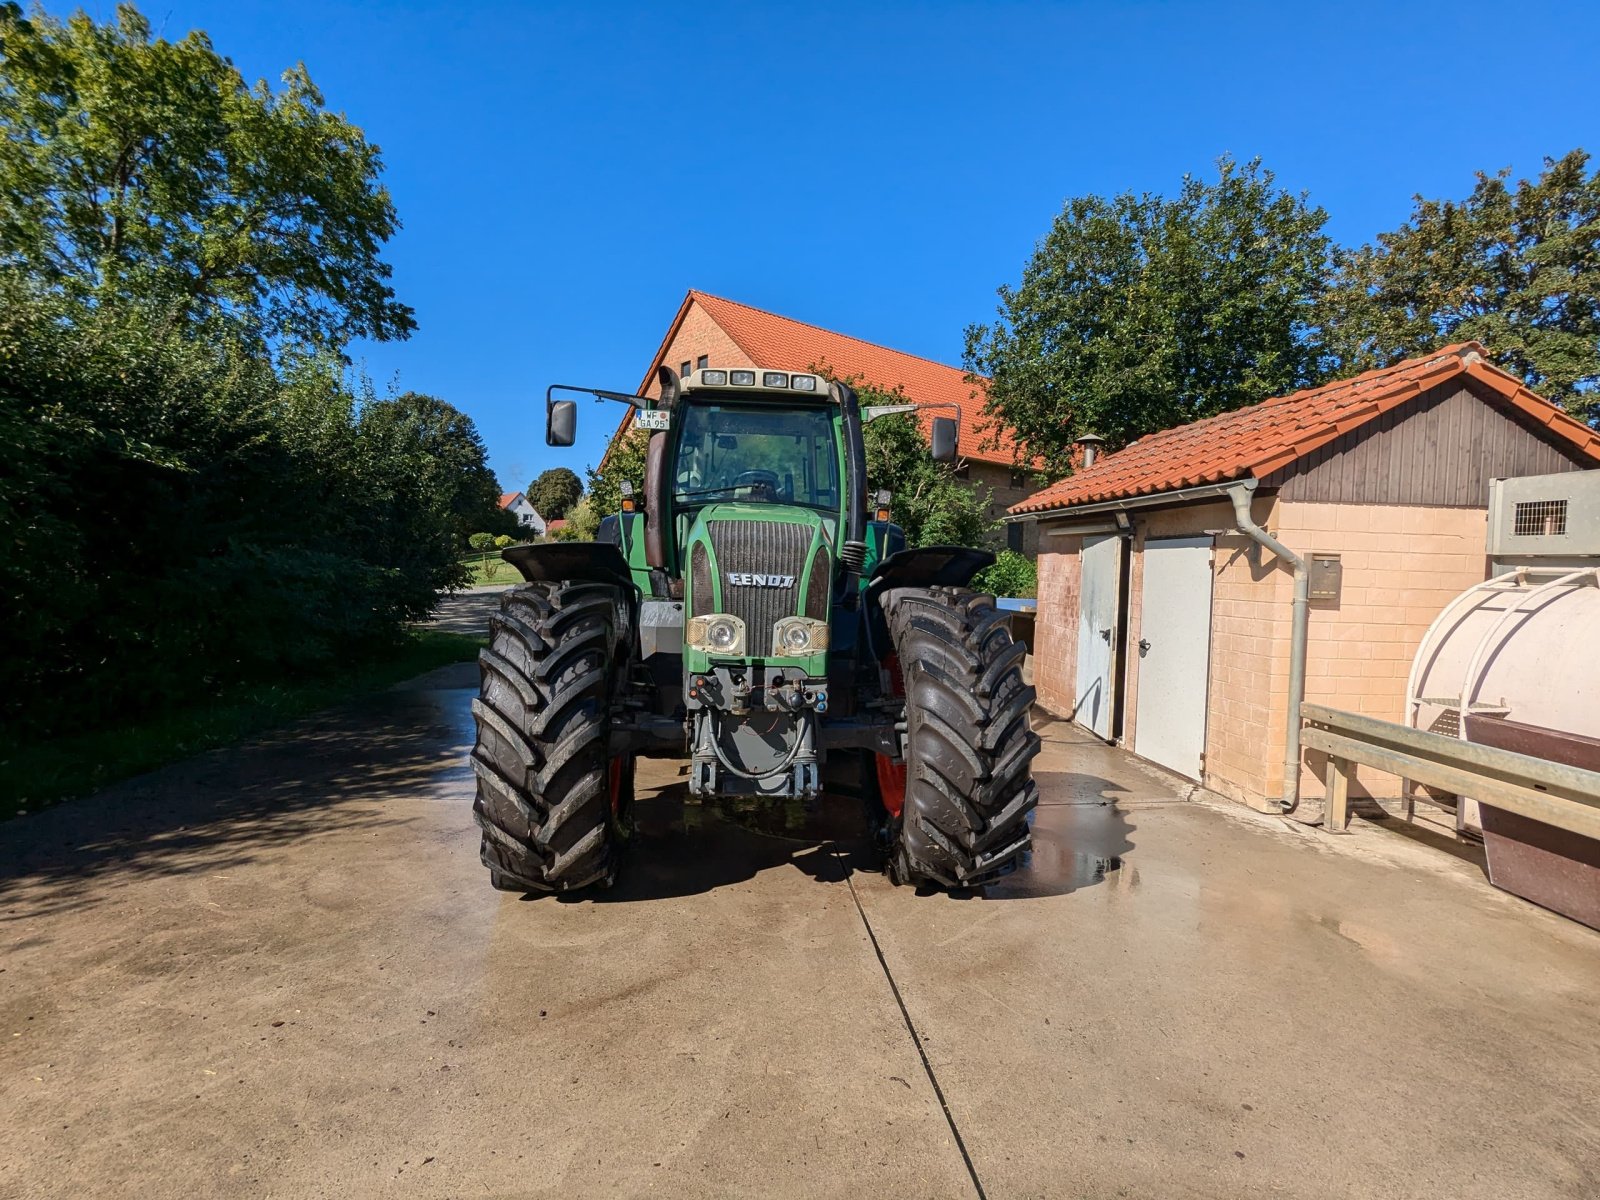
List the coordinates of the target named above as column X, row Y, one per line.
column 730, row 334
column 1262, row 440
column 1440, row 449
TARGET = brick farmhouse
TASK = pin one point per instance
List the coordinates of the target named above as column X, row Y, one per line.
column 708, row 331
column 1163, row 627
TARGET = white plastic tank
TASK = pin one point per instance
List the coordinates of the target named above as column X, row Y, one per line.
column 1524, row 645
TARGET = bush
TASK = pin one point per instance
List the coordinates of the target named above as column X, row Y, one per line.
column 181, row 516
column 1011, row 574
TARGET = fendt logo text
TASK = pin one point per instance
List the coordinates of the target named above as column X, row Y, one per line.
column 747, row 579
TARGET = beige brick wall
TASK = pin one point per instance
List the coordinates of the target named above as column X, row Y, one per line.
column 698, row 335
column 995, row 478
column 1055, row 637
column 1401, row 566
column 1251, row 596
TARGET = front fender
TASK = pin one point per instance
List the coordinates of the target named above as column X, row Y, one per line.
column 929, row 566
column 556, row 562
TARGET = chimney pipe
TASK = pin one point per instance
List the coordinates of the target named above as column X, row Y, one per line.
column 1091, row 443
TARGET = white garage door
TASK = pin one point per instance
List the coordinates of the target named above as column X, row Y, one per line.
column 1100, row 582
column 1174, row 653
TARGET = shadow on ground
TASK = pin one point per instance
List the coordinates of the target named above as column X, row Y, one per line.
column 336, row 771
column 682, row 847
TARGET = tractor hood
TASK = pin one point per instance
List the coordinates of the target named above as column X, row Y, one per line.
column 760, row 563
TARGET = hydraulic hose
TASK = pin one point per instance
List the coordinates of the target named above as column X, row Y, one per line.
column 716, row 748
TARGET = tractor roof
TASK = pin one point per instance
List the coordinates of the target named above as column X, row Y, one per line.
column 712, row 381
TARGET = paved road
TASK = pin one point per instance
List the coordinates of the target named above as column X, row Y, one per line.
column 467, row 611
column 278, row 970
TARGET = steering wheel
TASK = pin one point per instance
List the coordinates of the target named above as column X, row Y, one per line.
column 763, row 485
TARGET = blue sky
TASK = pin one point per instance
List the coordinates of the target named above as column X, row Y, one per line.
column 565, row 172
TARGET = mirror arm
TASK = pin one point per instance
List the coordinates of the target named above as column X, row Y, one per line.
column 597, row 393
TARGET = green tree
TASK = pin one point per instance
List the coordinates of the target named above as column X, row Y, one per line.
column 624, row 460
column 432, row 474
column 1011, row 574
column 928, row 500
column 1138, row 312
column 1515, row 268
column 554, row 492
column 583, row 523
column 132, row 167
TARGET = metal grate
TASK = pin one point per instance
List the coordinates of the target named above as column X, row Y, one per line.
column 817, row 587
column 701, row 598
column 1540, row 518
column 766, row 548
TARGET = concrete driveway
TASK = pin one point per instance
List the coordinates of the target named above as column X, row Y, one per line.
column 278, row 970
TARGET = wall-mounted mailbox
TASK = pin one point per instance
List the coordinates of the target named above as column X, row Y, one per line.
column 1326, row 576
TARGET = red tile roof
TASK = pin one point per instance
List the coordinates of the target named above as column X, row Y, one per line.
column 1256, row 441
column 779, row 343
column 507, row 499
column 556, row 525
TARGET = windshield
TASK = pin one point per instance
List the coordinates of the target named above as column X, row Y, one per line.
column 757, row 453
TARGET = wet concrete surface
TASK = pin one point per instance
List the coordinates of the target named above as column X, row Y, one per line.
column 278, row 970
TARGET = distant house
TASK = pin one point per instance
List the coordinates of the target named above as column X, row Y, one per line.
column 527, row 516
column 551, row 528
column 710, row 331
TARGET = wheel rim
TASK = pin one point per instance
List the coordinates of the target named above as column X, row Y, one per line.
column 891, row 784
column 891, row 774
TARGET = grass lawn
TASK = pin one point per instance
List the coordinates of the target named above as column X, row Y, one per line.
column 495, row 570
column 35, row 775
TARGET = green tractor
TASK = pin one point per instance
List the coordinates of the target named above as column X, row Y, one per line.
column 744, row 612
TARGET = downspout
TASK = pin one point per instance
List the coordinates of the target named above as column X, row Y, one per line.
column 1241, row 494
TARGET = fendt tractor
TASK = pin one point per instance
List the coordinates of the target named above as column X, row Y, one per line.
column 745, row 612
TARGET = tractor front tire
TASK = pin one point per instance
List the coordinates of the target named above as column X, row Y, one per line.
column 966, row 788
column 552, row 802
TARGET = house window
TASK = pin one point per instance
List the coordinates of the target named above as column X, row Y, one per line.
column 684, row 370
column 1019, row 478
column 700, row 363
column 1014, row 536
column 964, row 471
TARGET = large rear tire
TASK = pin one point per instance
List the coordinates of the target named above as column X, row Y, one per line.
column 966, row 789
column 553, row 804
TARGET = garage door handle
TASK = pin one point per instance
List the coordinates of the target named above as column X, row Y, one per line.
column 1144, row 645
column 1106, row 633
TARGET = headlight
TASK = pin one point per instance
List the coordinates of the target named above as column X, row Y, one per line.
column 718, row 633
column 803, row 383
column 796, row 637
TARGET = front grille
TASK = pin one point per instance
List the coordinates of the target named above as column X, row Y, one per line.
column 817, row 588
column 759, row 548
column 701, row 598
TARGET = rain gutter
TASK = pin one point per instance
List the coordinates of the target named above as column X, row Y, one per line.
column 1208, row 491
column 1241, row 494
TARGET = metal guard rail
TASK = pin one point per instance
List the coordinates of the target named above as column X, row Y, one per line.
column 1560, row 795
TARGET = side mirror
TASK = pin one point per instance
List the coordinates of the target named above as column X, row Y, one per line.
column 945, row 436
column 561, row 425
